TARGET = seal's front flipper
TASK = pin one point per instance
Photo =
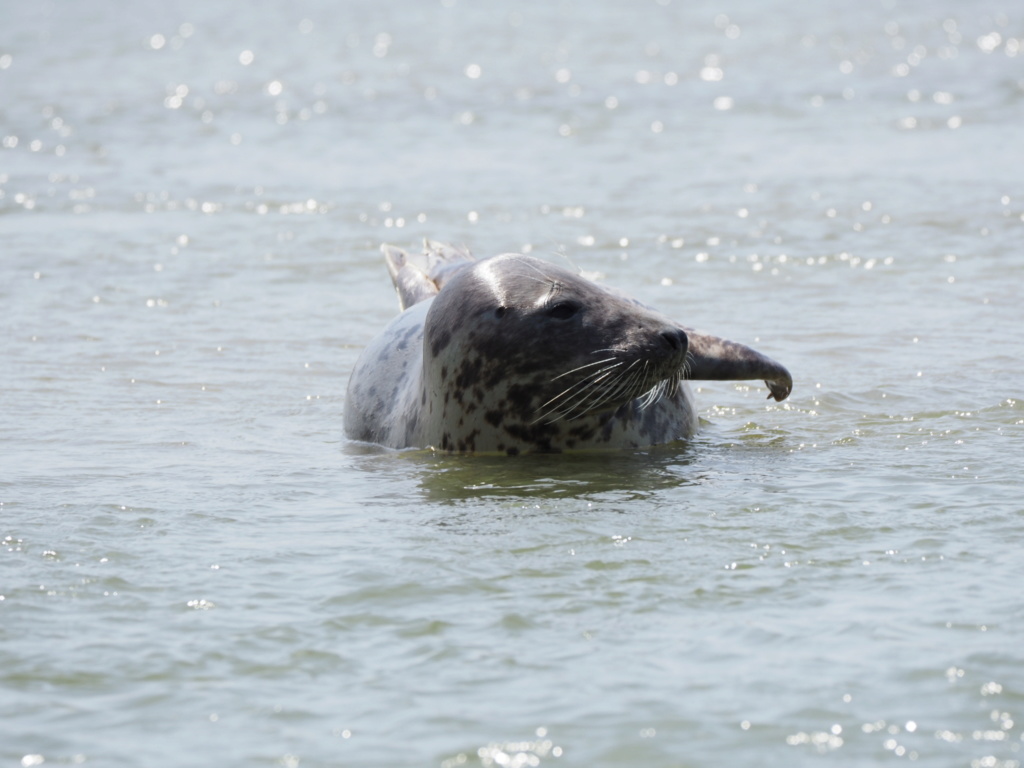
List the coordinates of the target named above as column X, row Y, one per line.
column 418, row 278
column 714, row 359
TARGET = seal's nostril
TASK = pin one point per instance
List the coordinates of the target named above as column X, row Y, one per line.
column 675, row 338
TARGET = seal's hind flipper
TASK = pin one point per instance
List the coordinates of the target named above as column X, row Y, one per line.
column 417, row 278
column 445, row 260
column 411, row 281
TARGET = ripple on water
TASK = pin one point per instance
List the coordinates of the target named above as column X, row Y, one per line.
column 194, row 559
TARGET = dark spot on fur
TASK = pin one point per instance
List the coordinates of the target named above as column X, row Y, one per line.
column 520, row 396
column 606, row 422
column 585, row 431
column 468, row 443
column 494, row 418
column 444, row 372
column 443, row 339
column 539, row 435
column 407, row 336
column 495, row 374
column 469, row 374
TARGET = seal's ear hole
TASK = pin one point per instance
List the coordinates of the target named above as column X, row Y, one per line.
column 499, row 312
column 563, row 310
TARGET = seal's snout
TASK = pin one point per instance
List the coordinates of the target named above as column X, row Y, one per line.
column 675, row 339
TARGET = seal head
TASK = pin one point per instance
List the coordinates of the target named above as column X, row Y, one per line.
column 523, row 355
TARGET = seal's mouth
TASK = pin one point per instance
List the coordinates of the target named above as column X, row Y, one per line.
column 610, row 383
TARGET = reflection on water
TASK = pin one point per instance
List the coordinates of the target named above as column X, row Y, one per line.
column 624, row 475
column 451, row 479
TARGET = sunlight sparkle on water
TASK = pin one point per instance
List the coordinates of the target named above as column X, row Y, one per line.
column 840, row 184
column 515, row 754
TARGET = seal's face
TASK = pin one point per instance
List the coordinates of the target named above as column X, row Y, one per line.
column 541, row 352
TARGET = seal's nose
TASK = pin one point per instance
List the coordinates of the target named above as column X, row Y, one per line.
column 675, row 338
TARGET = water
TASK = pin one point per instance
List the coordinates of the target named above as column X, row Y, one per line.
column 198, row 568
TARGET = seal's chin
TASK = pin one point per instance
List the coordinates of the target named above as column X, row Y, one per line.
column 607, row 385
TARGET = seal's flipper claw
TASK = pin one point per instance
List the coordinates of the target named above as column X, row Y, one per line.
column 779, row 389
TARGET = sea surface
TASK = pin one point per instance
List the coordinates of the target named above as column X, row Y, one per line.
column 197, row 568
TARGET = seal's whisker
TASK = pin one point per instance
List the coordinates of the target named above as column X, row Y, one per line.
column 653, row 395
column 630, row 385
column 590, row 394
column 545, row 277
column 609, row 384
column 606, row 381
column 584, row 400
column 637, row 382
column 594, row 399
column 687, row 368
column 664, row 388
column 566, row 400
column 650, row 393
column 609, row 392
column 589, row 380
column 541, row 280
column 587, row 365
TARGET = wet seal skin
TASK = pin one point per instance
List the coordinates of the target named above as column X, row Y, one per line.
column 512, row 354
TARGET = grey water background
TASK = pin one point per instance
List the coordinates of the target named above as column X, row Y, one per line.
column 196, row 566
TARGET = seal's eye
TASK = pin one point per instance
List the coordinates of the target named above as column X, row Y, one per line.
column 563, row 310
column 499, row 312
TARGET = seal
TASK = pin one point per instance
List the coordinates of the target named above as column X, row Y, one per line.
column 513, row 354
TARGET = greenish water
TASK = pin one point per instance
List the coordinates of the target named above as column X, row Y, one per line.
column 196, row 567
